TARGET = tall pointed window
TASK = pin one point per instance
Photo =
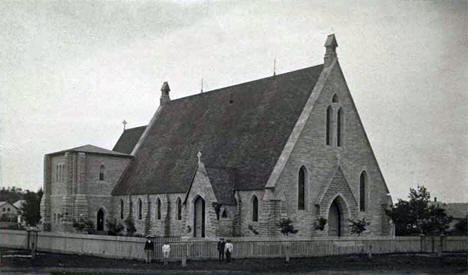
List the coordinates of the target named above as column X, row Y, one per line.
column 158, row 209
column 301, row 188
column 121, row 209
column 140, row 209
column 101, row 172
column 254, row 208
column 335, row 98
column 362, row 191
column 328, row 134
column 339, row 126
column 179, row 209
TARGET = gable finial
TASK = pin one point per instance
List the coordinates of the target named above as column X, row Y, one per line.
column 201, row 90
column 124, row 122
column 274, row 66
column 330, row 50
column 165, row 93
column 199, row 154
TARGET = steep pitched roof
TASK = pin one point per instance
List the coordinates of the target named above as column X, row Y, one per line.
column 223, row 182
column 92, row 149
column 128, row 140
column 244, row 127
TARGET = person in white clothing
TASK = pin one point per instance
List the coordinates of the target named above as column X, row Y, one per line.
column 166, row 250
column 228, row 249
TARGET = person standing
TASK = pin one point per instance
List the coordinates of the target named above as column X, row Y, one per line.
column 228, row 249
column 149, row 248
column 221, row 244
column 166, row 250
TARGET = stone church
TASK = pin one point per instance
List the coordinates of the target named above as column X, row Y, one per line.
column 231, row 162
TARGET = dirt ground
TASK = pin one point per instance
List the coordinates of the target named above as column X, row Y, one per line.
column 19, row 261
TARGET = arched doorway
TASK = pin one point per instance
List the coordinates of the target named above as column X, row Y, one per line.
column 199, row 217
column 336, row 215
column 100, row 220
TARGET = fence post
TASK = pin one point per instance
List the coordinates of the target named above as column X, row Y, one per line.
column 184, row 255
column 369, row 252
column 441, row 244
column 286, row 250
column 421, row 242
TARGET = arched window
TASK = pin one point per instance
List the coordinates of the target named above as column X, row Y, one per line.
column 254, row 208
column 335, row 98
column 362, row 191
column 101, row 172
column 224, row 215
column 339, row 126
column 301, row 188
column 140, row 209
column 158, row 209
column 328, row 135
column 121, row 209
column 179, row 209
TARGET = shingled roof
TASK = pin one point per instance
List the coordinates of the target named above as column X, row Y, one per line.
column 128, row 140
column 242, row 128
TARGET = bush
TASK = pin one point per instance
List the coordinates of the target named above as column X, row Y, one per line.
column 130, row 226
column 358, row 226
column 84, row 225
column 286, row 227
column 251, row 228
column 320, row 223
column 113, row 227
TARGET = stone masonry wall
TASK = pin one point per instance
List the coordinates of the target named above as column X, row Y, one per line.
column 321, row 161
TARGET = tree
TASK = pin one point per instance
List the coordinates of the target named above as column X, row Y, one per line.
column 31, row 209
column 358, row 226
column 418, row 216
column 286, row 227
column 461, row 228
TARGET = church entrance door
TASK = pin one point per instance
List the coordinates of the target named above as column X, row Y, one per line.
column 335, row 220
column 100, row 220
column 199, row 217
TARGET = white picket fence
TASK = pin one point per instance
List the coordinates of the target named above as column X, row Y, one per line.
column 132, row 248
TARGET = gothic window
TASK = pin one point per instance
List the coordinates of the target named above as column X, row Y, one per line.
column 362, row 191
column 121, row 209
column 328, row 135
column 179, row 209
column 254, row 208
column 158, row 210
column 224, row 215
column 101, row 172
column 339, row 126
column 140, row 209
column 301, row 188
column 335, row 98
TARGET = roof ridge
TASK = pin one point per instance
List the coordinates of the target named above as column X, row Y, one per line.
column 210, row 92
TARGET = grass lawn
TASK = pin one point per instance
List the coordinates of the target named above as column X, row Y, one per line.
column 351, row 264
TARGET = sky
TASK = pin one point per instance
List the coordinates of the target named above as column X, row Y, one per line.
column 71, row 71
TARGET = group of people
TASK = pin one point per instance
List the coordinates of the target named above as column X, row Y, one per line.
column 225, row 248
column 149, row 248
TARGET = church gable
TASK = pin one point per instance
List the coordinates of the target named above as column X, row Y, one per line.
column 332, row 135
